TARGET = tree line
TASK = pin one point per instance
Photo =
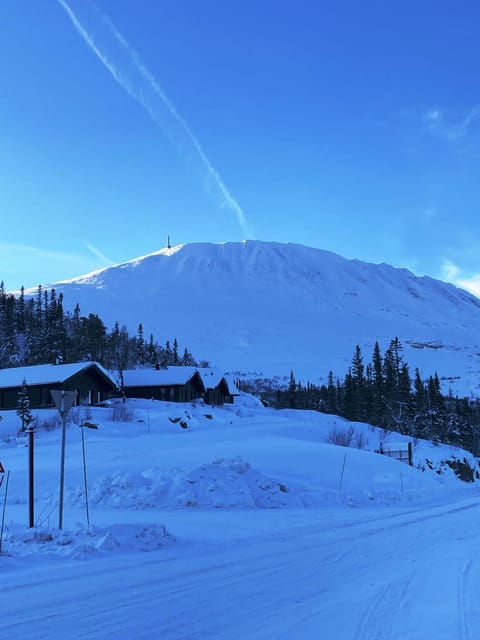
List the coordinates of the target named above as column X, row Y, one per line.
column 383, row 392
column 37, row 330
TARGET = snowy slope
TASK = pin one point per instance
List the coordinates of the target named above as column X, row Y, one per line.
column 271, row 307
column 246, row 525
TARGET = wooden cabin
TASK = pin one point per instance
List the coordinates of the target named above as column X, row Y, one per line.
column 179, row 384
column 219, row 389
column 91, row 381
column 173, row 384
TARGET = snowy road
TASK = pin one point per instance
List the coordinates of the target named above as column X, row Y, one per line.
column 356, row 575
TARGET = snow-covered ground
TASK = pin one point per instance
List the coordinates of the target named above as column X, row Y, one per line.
column 249, row 523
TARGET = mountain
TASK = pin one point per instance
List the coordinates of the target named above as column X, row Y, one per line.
column 267, row 307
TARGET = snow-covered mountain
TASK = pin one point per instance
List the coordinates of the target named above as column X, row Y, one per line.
column 268, row 307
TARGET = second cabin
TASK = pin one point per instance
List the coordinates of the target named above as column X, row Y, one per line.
column 179, row 384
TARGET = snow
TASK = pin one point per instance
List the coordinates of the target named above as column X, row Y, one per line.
column 268, row 308
column 152, row 377
column 248, row 523
column 46, row 373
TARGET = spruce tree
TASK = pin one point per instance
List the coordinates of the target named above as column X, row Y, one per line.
column 23, row 406
column 141, row 355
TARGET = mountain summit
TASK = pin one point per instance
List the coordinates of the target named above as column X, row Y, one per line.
column 269, row 307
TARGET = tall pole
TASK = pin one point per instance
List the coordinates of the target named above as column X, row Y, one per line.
column 63, row 401
column 31, row 485
column 85, row 473
column 3, row 511
column 62, row 460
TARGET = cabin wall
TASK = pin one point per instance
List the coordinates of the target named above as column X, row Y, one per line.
column 90, row 385
column 168, row 393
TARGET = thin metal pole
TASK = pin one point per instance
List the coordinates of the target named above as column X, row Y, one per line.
column 85, row 474
column 3, row 513
column 31, row 485
column 62, row 464
column 343, row 469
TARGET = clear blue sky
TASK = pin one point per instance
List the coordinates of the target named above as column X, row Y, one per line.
column 348, row 126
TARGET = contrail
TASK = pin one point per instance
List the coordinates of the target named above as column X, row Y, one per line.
column 126, row 67
column 99, row 254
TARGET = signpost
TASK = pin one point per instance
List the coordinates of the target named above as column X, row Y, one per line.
column 86, row 425
column 31, row 483
column 64, row 400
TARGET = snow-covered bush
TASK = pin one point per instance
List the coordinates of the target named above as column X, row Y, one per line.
column 347, row 437
column 121, row 413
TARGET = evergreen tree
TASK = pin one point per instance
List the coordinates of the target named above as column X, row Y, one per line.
column 292, row 392
column 331, row 398
column 152, row 353
column 188, row 360
column 358, row 385
column 349, row 400
column 377, row 388
column 23, row 406
column 141, row 355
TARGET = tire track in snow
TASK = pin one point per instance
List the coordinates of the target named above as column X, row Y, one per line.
column 468, row 588
column 291, row 569
column 463, row 624
column 378, row 620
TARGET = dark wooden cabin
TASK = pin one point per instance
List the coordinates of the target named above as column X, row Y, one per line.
column 218, row 388
column 91, row 381
column 174, row 384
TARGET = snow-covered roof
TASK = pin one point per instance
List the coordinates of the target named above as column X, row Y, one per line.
column 213, row 377
column 46, row 374
column 158, row 377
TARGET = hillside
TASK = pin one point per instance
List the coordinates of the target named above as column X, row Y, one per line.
column 267, row 307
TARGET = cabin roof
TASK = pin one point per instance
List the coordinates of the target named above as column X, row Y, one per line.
column 171, row 376
column 41, row 374
column 213, row 377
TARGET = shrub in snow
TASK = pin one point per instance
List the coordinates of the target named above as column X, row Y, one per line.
column 347, row 437
column 49, row 423
column 121, row 413
column 80, row 414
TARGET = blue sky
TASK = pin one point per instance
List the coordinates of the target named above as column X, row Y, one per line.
column 352, row 127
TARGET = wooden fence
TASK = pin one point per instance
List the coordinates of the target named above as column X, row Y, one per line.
column 398, row 451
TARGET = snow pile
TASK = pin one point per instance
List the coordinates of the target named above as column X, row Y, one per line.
column 80, row 543
column 229, row 483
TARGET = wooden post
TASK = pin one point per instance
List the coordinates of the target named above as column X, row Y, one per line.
column 410, row 454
